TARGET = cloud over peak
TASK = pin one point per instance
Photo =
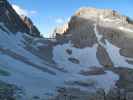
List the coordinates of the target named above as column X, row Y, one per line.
column 22, row 11
column 59, row 20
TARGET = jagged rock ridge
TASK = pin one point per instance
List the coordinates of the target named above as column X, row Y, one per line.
column 14, row 22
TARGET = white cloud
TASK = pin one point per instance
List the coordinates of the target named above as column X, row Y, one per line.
column 59, row 21
column 22, row 11
column 33, row 12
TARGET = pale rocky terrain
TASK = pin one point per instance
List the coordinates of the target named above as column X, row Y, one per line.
column 90, row 58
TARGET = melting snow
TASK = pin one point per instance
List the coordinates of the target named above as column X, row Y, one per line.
column 113, row 51
column 106, row 81
column 36, row 82
column 125, row 29
column 87, row 56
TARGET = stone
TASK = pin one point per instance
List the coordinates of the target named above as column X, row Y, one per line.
column 103, row 57
column 74, row 60
column 69, row 51
column 129, row 96
column 93, row 71
column 32, row 28
column 113, row 94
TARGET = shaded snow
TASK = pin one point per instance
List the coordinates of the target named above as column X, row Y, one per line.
column 106, row 81
column 34, row 81
column 125, row 29
column 116, row 57
column 38, row 83
column 15, row 43
column 99, row 36
column 86, row 56
column 113, row 51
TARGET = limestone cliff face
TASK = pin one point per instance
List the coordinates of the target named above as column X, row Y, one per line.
column 59, row 31
column 13, row 22
column 81, row 25
column 91, row 26
column 32, row 28
column 94, row 13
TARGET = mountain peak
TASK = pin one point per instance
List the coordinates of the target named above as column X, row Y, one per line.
column 90, row 11
column 107, row 15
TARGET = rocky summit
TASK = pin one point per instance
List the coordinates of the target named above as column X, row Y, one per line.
column 89, row 58
column 101, row 27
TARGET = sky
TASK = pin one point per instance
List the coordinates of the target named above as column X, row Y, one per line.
column 48, row 14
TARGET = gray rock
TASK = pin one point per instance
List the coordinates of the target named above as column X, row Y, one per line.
column 129, row 96
column 113, row 94
column 74, row 60
column 13, row 21
column 103, row 57
column 32, row 28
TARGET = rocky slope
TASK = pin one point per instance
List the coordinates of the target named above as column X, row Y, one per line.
column 104, row 27
column 91, row 59
column 105, row 39
column 14, row 22
column 32, row 28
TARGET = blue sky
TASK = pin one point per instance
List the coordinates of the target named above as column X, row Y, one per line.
column 47, row 14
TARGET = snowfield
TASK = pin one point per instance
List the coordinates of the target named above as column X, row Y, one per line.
column 86, row 57
column 125, row 29
column 40, row 83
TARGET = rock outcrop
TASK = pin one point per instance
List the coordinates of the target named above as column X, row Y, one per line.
column 32, row 28
column 110, row 24
column 61, row 29
column 13, row 21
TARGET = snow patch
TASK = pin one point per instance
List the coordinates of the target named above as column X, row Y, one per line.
column 32, row 80
column 106, row 81
column 87, row 56
column 114, row 53
column 125, row 29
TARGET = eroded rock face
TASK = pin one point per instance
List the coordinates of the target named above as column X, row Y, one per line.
column 61, row 29
column 95, row 13
column 13, row 22
column 82, row 32
column 120, row 38
column 33, row 30
column 103, row 57
column 112, row 26
column 128, row 52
